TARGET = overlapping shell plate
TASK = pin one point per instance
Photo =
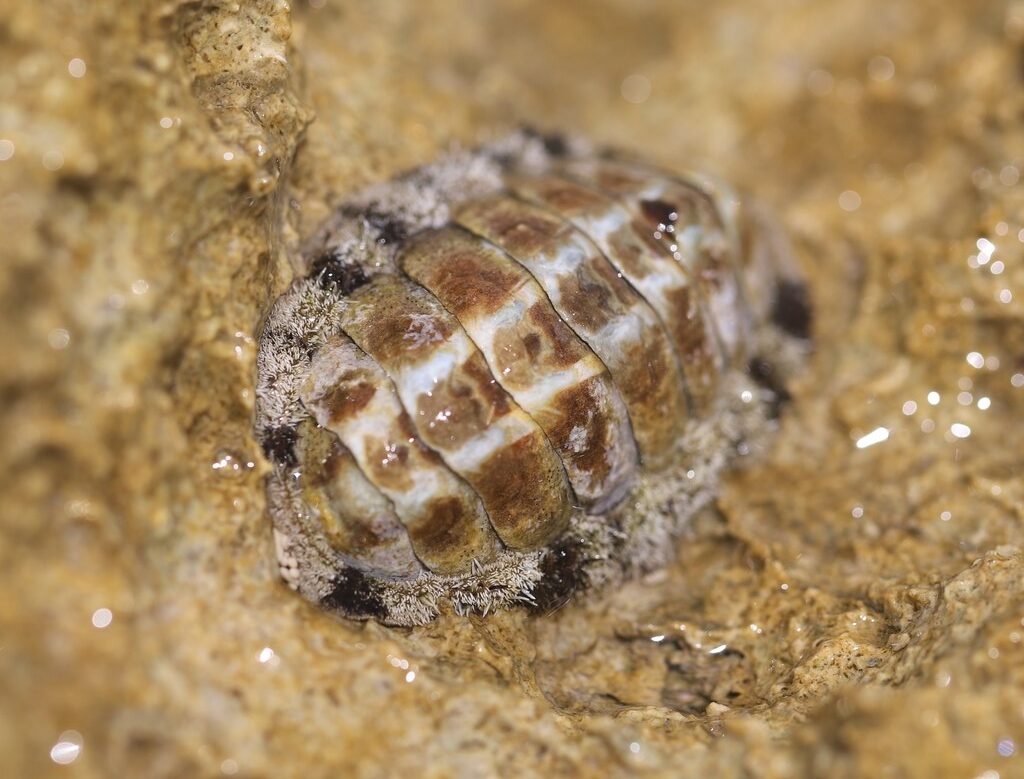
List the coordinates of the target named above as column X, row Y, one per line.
column 514, row 374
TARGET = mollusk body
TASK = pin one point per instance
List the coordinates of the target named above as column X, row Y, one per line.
column 513, row 374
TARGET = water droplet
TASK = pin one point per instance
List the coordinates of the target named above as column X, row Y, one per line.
column 881, row 68
column 101, row 618
column 635, row 88
column 960, row 430
column 849, row 200
column 876, row 436
column 53, row 160
column 58, row 338
column 985, row 250
column 67, row 749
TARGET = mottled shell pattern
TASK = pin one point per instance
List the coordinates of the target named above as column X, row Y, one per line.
column 514, row 374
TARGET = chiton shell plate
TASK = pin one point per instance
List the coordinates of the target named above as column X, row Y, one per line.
column 516, row 373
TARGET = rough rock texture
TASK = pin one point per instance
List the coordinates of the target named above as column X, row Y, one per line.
column 843, row 612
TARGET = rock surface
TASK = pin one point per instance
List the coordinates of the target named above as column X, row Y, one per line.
column 851, row 608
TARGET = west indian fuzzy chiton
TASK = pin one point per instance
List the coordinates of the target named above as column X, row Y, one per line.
column 515, row 374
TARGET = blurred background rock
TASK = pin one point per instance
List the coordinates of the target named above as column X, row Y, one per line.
column 851, row 609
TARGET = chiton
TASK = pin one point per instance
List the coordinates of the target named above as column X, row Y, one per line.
column 515, row 374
